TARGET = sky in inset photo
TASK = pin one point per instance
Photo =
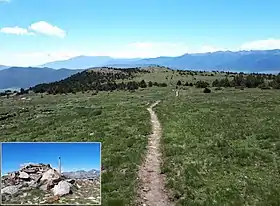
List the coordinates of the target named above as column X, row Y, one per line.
column 74, row 156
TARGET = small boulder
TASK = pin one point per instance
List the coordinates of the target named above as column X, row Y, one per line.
column 23, row 175
column 63, row 188
column 38, row 178
column 44, row 187
column 49, row 184
column 13, row 189
column 33, row 184
column 35, row 177
column 51, row 174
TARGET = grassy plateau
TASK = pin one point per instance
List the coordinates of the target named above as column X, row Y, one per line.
column 119, row 120
column 219, row 148
column 222, row 148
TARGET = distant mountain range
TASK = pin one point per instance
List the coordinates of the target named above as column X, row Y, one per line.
column 85, row 62
column 247, row 61
column 82, row 174
column 265, row 61
column 25, row 77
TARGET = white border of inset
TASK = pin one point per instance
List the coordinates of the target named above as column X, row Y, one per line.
column 100, row 169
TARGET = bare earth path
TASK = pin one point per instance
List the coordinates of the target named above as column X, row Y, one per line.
column 152, row 192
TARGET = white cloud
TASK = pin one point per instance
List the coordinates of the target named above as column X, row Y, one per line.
column 15, row 30
column 47, row 29
column 41, row 27
column 261, row 44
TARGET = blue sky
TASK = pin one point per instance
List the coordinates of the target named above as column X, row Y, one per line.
column 74, row 156
column 33, row 32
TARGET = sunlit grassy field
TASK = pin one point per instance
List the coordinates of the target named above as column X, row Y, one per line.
column 119, row 120
column 172, row 77
column 222, row 148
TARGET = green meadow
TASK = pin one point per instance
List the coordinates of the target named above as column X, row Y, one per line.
column 219, row 148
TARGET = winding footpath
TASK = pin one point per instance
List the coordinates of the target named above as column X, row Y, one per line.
column 152, row 192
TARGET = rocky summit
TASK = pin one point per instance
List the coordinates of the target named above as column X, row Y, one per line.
column 42, row 184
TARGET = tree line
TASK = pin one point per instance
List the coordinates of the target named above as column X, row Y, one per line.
column 98, row 81
column 249, row 81
column 108, row 86
column 240, row 80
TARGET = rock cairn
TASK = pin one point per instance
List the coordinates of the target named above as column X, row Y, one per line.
column 36, row 176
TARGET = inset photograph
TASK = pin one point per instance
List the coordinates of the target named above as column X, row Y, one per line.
column 51, row 173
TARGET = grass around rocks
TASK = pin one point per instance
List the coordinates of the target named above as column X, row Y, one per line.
column 85, row 192
column 222, row 148
column 119, row 120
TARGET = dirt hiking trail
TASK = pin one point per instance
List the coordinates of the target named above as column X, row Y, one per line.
column 152, row 192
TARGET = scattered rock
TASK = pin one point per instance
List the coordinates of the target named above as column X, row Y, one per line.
column 25, row 187
column 51, row 174
column 38, row 178
column 91, row 198
column 44, row 187
column 63, row 188
column 13, row 189
column 40, row 183
column 23, row 175
column 33, row 184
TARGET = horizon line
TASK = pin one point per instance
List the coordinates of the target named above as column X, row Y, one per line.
column 141, row 58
